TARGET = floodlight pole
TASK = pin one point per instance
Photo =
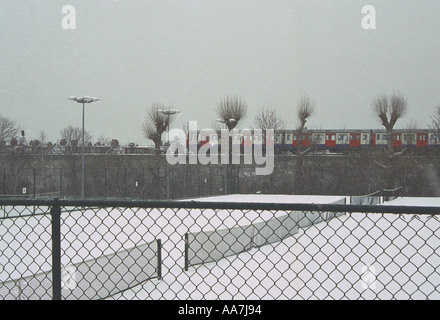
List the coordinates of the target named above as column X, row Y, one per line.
column 83, row 165
column 83, row 100
column 168, row 112
column 227, row 122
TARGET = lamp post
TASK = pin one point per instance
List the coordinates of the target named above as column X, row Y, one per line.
column 83, row 100
column 168, row 113
column 227, row 123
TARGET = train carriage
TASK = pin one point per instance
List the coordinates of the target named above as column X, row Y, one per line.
column 338, row 141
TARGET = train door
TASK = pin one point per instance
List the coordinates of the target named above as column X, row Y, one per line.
column 288, row 141
column 294, row 140
column 397, row 140
column 330, row 140
column 355, row 140
column 307, row 140
column 422, row 140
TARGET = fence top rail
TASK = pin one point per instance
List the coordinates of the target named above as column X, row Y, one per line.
column 191, row 204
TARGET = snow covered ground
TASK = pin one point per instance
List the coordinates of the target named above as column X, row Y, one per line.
column 414, row 201
column 350, row 257
column 356, row 256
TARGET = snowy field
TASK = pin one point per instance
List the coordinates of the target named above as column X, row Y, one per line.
column 355, row 256
column 350, row 257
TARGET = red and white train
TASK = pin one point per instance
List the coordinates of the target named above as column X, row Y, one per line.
column 415, row 140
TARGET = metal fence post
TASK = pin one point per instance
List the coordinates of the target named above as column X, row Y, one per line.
column 35, row 184
column 55, row 212
column 159, row 259
column 61, row 182
column 4, row 182
column 186, row 251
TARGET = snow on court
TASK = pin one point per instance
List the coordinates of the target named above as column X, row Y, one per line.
column 356, row 256
column 353, row 256
column 414, row 201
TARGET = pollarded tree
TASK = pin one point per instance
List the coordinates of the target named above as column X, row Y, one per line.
column 388, row 110
column 306, row 108
column 156, row 124
column 231, row 110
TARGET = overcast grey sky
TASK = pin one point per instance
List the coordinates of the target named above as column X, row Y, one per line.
column 188, row 54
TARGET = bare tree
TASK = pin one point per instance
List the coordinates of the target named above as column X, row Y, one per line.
column 73, row 135
column 231, row 110
column 436, row 122
column 104, row 141
column 43, row 137
column 269, row 119
column 306, row 108
column 388, row 110
column 156, row 124
column 8, row 129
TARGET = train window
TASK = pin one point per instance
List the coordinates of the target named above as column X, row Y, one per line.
column 294, row 138
column 364, row 137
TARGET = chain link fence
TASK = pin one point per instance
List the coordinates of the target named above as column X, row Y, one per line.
column 152, row 182
column 103, row 249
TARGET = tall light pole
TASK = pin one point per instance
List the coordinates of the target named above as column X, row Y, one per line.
column 83, row 100
column 228, row 124
column 168, row 113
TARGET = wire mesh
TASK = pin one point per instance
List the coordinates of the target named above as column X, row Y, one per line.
column 199, row 250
